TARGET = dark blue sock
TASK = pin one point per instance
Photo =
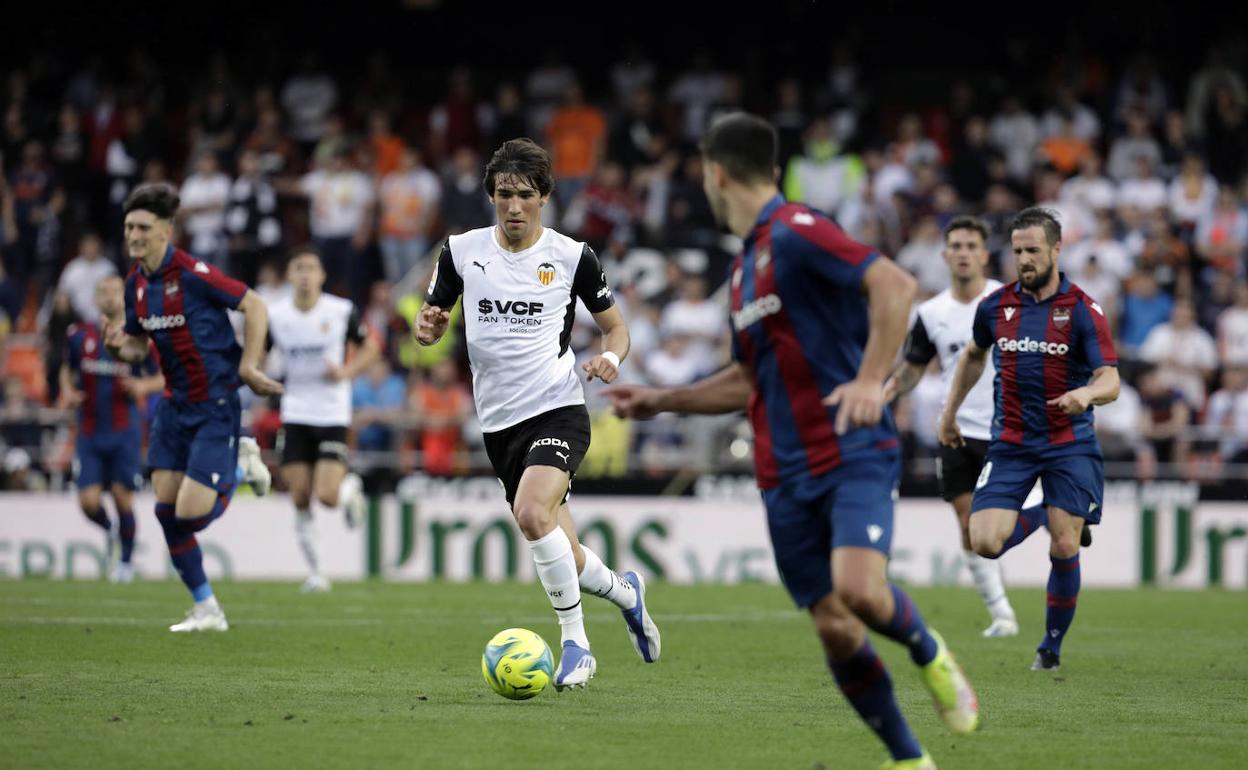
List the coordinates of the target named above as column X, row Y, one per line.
column 869, row 689
column 1029, row 520
column 908, row 628
column 125, row 528
column 1064, row 582
column 223, row 502
column 99, row 519
column 185, row 552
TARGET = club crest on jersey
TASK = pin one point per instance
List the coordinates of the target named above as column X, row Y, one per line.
column 1061, row 316
column 1009, row 313
column 545, row 273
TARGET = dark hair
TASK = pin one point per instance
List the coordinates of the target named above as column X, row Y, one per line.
column 159, row 198
column 744, row 144
column 1038, row 217
column 968, row 223
column 306, row 249
column 523, row 159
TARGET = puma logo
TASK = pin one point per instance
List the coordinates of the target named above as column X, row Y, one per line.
column 478, row 264
column 563, row 456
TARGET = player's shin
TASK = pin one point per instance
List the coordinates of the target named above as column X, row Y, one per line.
column 184, row 551
column 125, row 528
column 1063, row 594
column 869, row 689
column 906, row 626
column 598, row 579
column 556, row 569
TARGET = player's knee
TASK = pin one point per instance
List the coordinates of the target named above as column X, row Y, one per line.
column 839, row 632
column 328, row 499
column 986, row 543
column 1064, row 544
column 862, row 598
column 533, row 518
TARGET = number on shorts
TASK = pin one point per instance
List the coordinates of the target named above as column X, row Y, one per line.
column 984, row 474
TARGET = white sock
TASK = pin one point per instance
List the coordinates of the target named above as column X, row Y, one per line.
column 556, row 568
column 987, row 576
column 210, row 604
column 349, row 487
column 599, row 580
column 305, row 534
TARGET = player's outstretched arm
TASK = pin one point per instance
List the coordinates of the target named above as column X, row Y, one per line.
column 255, row 330
column 890, row 290
column 615, row 346
column 122, row 346
column 728, row 390
column 1100, row 391
column 970, row 368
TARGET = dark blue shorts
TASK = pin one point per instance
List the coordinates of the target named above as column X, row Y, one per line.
column 855, row 508
column 108, row 458
column 199, row 439
column 1073, row 482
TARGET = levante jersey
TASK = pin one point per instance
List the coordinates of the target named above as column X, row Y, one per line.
column 1042, row 350
column 800, row 323
column 106, row 406
column 182, row 308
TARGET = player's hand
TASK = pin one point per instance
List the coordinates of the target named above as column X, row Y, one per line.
column 431, row 324
column 335, row 373
column 1072, row 402
column 72, row 399
column 114, row 335
column 860, row 404
column 260, row 383
column 890, row 390
column 947, row 431
column 602, row 368
column 134, row 389
column 633, row 401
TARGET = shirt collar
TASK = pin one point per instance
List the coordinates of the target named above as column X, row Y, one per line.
column 1063, row 286
column 765, row 215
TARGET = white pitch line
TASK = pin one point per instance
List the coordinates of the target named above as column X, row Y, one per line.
column 492, row 619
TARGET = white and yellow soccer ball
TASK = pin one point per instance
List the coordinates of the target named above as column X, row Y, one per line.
column 517, row 664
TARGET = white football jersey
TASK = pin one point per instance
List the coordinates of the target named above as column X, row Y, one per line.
column 518, row 313
column 309, row 342
column 942, row 328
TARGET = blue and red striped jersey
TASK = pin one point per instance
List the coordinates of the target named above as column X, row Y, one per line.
column 106, row 406
column 1042, row 350
column 182, row 307
column 799, row 321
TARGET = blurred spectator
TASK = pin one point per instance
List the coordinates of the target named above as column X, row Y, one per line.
column 1217, row 72
column 459, row 120
column 1222, row 234
column 689, row 220
column 1111, row 256
column 10, row 304
column 37, row 203
column 636, row 140
column 1166, row 256
column 1144, row 306
column 605, row 210
column 1068, row 116
column 68, row 152
column 409, row 199
column 544, row 87
column 790, row 120
column 694, row 91
column 1141, row 92
column 1192, row 193
column 1064, row 148
column 1233, row 330
column 1185, row 352
column 340, row 217
column 82, row 274
column 1118, row 425
column 703, row 322
column 634, row 71
column 971, row 161
column 384, row 321
column 213, row 124
column 205, row 194
column 577, row 137
column 1226, row 418
column 444, row 405
column 386, row 146
column 308, row 98
column 271, row 283
column 819, row 176
column 1015, row 132
column 252, row 221
column 274, row 150
column 923, row 256
column 1176, row 145
column 1164, row 417
column 60, row 318
column 508, row 120
column 333, row 141
column 1144, row 192
column 1226, row 134
column 465, row 205
column 377, row 399
column 1136, row 143
column 671, row 364
column 1102, row 286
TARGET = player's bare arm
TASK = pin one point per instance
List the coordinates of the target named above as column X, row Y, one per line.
column 122, row 346
column 141, row 387
column 255, row 329
column 71, row 397
column 431, row 324
column 890, row 290
column 362, row 357
column 1100, row 391
column 902, row 381
column 615, row 345
column 728, row 390
column 971, row 365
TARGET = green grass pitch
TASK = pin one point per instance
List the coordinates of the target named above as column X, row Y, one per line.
column 388, row 676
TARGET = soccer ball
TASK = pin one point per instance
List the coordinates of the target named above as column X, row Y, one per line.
column 517, row 664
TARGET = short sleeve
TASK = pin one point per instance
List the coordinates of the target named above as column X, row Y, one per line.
column 981, row 328
column 825, row 248
column 919, row 347
column 1095, row 342
column 446, row 284
column 132, row 326
column 590, row 283
column 214, row 285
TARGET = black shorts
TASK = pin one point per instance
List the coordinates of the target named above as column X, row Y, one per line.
column 558, row 438
column 957, row 470
column 310, row 443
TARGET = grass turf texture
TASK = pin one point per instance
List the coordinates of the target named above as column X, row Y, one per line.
column 388, row 675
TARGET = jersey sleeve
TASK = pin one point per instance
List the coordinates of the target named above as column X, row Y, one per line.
column 981, row 327
column 132, row 326
column 590, row 282
column 357, row 330
column 1095, row 342
column 919, row 346
column 446, row 284
column 828, row 252
column 214, row 285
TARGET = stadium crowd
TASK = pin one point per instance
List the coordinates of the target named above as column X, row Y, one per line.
column 1145, row 168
